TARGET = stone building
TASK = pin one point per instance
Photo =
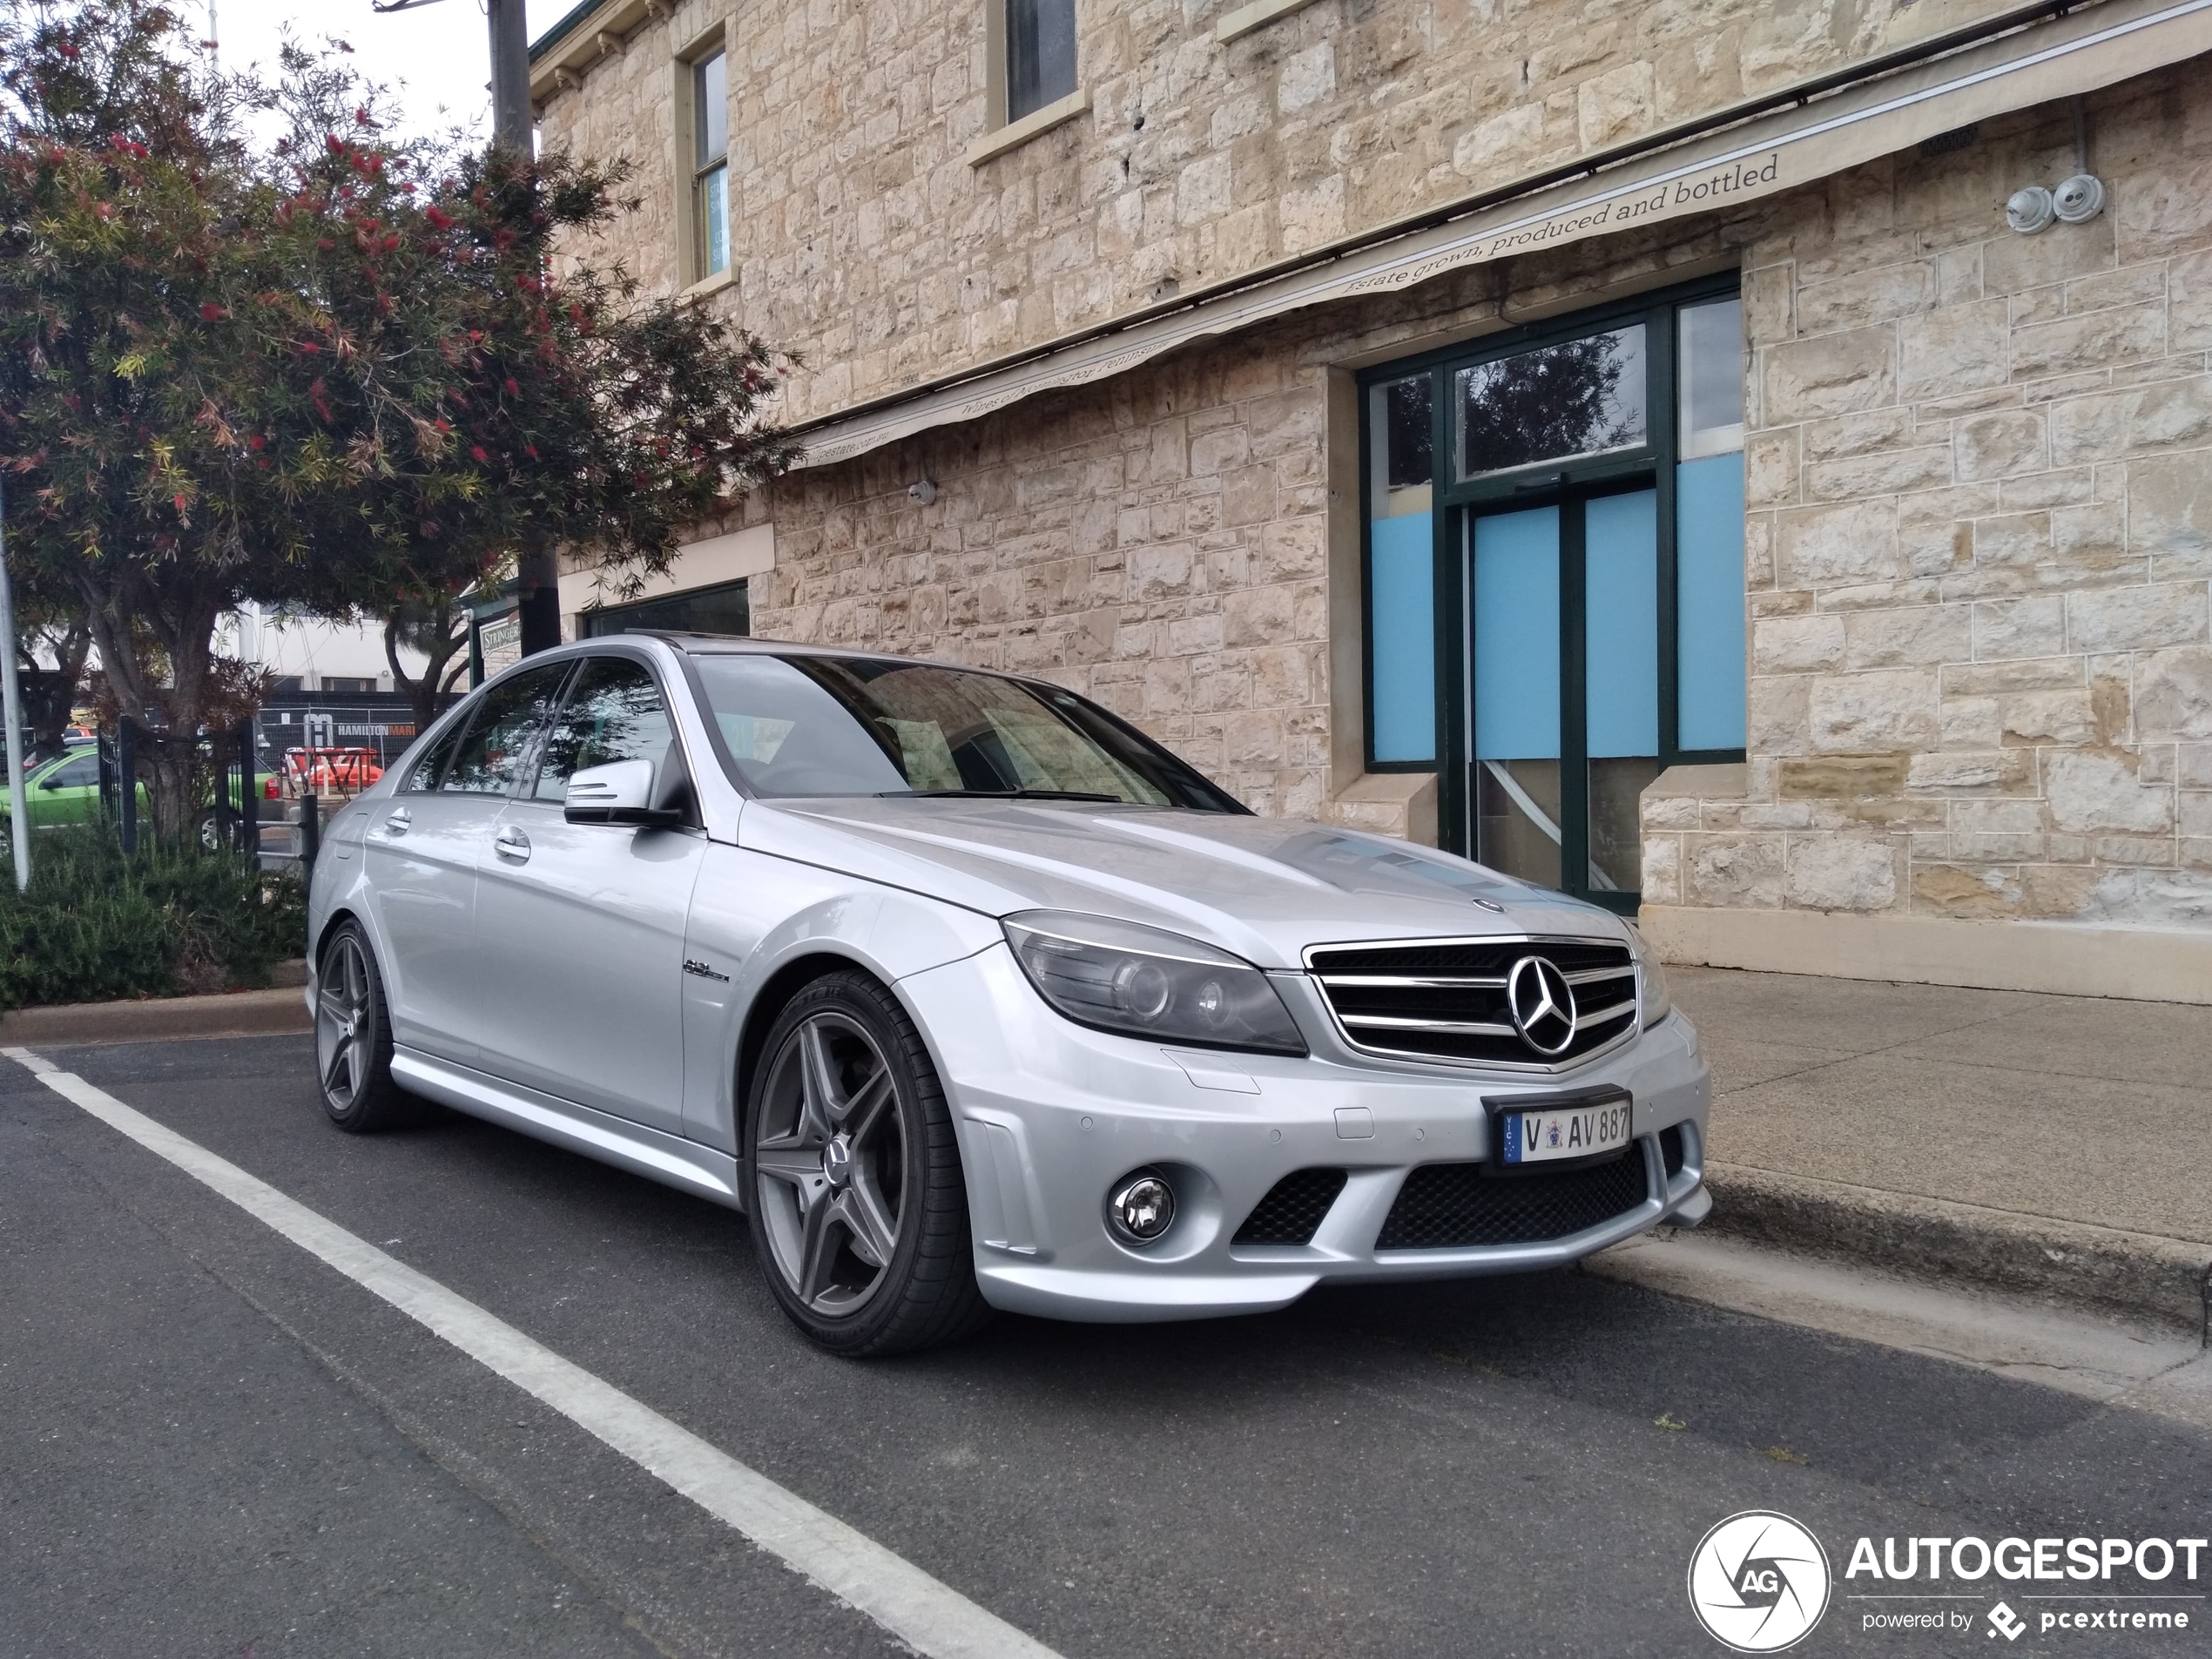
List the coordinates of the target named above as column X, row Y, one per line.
column 1683, row 451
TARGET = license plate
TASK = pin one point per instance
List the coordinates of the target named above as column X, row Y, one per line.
column 1564, row 1131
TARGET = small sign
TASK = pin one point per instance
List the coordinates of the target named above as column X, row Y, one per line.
column 501, row 642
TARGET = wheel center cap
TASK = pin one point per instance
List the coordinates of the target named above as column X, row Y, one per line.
column 837, row 1161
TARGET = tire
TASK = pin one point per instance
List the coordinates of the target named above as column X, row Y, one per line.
column 354, row 1040
column 859, row 1213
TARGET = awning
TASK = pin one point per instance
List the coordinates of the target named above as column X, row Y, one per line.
column 2090, row 49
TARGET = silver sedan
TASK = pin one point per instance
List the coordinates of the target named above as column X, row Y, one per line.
column 971, row 996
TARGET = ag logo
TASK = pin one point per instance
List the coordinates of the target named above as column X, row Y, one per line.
column 1758, row 1582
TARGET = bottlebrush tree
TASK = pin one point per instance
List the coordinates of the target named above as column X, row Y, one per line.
column 336, row 371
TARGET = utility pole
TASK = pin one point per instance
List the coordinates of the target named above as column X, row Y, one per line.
column 539, row 569
column 11, row 710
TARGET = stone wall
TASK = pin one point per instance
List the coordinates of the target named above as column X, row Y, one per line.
column 863, row 238
column 1981, row 478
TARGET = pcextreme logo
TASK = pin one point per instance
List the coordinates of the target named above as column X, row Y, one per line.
column 1759, row 1583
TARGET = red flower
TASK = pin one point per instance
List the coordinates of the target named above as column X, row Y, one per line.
column 337, row 145
column 444, row 222
column 513, row 386
column 474, row 450
column 255, row 441
column 210, row 312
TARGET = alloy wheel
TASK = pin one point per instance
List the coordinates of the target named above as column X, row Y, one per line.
column 830, row 1163
column 343, row 1020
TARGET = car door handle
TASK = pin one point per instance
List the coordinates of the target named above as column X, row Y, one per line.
column 396, row 823
column 511, row 843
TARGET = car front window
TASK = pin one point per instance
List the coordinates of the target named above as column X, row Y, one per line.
column 491, row 756
column 614, row 713
column 855, row 725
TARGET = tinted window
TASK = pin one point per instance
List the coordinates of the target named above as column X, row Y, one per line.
column 1040, row 54
column 423, row 776
column 81, row 773
column 828, row 725
column 614, row 711
column 1580, row 397
column 491, row 756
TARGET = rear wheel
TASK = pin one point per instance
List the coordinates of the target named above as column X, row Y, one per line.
column 860, row 1215
column 354, row 1039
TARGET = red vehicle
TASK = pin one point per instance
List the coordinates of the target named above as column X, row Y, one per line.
column 326, row 772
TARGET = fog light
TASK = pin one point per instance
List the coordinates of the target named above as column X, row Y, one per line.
column 1141, row 1207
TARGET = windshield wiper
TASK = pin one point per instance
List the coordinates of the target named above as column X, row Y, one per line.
column 995, row 794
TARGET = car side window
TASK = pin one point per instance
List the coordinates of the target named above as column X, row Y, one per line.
column 423, row 777
column 491, row 758
column 82, row 771
column 613, row 712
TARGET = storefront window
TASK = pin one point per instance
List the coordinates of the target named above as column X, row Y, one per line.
column 726, row 609
column 1589, row 526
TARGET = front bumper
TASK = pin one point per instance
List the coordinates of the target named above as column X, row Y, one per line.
column 1050, row 1114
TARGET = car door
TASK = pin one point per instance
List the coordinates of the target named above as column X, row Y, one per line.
column 422, row 849
column 67, row 792
column 586, row 922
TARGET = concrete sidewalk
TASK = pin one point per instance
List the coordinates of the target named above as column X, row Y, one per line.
column 2053, row 1145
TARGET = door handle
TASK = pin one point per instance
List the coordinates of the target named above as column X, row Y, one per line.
column 511, row 843
column 396, row 823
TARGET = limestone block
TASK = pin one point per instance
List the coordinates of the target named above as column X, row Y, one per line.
column 1830, row 375
column 1971, row 723
column 1613, row 105
column 2096, row 341
column 1855, row 542
column 2015, row 263
column 1861, row 297
column 1662, row 869
column 1842, row 777
column 1777, row 710
column 1795, row 645
column 1741, row 872
column 2018, row 628
column 1989, row 771
column 1841, row 873
column 2169, row 503
column 2167, row 207
column 2174, row 694
column 1889, row 474
column 1998, row 445
column 1307, row 78
column 1488, row 146
column 2098, row 790
column 2137, row 618
column 1771, row 467
column 1858, row 435
column 1954, row 348
column 1920, row 634
column 1892, row 708
column 2188, row 301
column 1949, row 890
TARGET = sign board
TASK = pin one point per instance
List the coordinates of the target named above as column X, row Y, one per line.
column 501, row 642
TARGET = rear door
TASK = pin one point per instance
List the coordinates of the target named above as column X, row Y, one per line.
column 424, row 846
column 585, row 923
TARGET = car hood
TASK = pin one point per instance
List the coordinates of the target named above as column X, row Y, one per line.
column 1264, row 887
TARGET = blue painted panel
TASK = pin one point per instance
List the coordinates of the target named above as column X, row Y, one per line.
column 1401, row 636
column 1708, row 602
column 1621, row 623
column 1516, row 635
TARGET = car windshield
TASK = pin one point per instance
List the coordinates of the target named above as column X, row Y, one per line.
column 858, row 725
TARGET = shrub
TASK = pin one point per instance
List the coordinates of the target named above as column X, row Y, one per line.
column 97, row 925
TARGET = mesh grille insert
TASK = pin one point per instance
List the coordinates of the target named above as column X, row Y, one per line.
column 1292, row 1209
column 1452, row 1206
column 1454, row 1007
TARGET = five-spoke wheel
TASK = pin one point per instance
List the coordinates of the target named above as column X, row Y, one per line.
column 354, row 1038
column 859, row 1210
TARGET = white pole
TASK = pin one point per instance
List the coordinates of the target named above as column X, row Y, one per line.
column 11, row 710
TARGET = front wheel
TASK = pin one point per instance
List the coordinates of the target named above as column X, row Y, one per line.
column 860, row 1215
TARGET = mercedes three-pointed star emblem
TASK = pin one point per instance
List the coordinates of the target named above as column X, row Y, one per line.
column 1542, row 1004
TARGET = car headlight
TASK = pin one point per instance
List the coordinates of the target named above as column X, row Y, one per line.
column 1145, row 982
column 1657, row 1005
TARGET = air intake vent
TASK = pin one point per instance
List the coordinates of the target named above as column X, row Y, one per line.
column 1446, row 998
column 1292, row 1209
column 1455, row 1206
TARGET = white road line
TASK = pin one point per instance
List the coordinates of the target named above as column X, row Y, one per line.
column 933, row 1618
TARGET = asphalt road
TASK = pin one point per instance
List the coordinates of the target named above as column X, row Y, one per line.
column 213, row 1444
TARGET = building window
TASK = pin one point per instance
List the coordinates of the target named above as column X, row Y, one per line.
column 1040, row 54
column 1554, row 579
column 724, row 608
column 709, row 165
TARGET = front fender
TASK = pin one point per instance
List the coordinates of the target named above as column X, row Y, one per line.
column 757, row 920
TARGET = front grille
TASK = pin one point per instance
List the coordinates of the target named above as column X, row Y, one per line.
column 1445, row 999
column 1451, row 1206
column 1292, row 1209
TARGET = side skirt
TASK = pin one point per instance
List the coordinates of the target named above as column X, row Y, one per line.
column 670, row 1159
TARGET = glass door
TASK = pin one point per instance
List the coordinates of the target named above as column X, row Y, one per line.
column 1554, row 581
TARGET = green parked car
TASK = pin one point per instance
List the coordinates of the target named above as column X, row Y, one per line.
column 65, row 789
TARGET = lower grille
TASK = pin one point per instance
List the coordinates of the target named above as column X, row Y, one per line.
column 1292, row 1209
column 1670, row 1151
column 1452, row 1206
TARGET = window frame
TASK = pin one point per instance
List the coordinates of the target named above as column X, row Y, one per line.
column 686, row 171
column 1004, row 130
column 1650, row 464
column 563, row 674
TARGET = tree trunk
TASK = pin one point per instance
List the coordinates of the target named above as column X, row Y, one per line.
column 181, row 621
column 436, row 641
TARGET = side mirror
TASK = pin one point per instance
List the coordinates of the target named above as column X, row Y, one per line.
column 618, row 792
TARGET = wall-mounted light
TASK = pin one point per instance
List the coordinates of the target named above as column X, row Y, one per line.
column 2078, row 200
column 922, row 491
